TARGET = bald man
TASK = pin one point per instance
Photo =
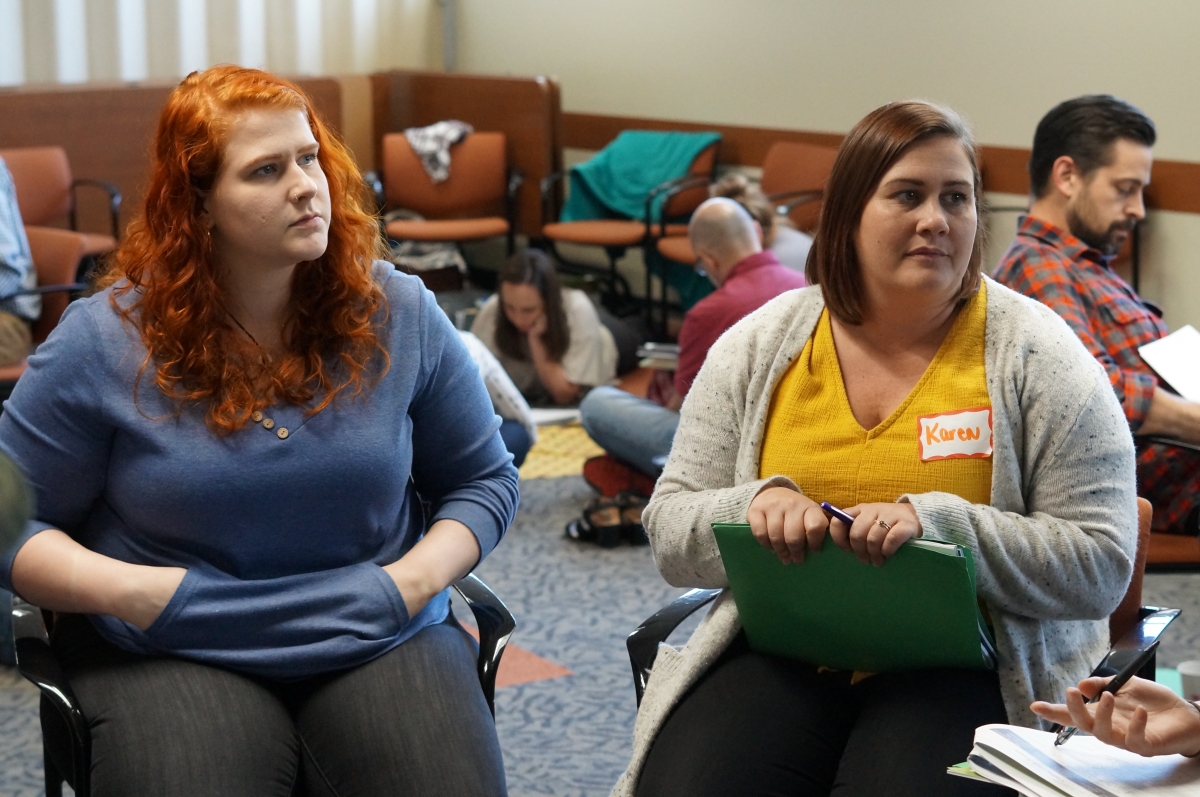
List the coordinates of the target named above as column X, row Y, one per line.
column 728, row 246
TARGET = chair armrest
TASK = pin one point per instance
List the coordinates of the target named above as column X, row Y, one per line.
column 1167, row 441
column 546, row 187
column 643, row 643
column 36, row 663
column 496, row 625
column 667, row 190
column 787, row 201
column 114, row 201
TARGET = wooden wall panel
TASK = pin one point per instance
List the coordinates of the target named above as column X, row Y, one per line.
column 107, row 132
column 526, row 110
column 1175, row 186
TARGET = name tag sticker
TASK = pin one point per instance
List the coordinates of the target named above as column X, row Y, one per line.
column 955, row 435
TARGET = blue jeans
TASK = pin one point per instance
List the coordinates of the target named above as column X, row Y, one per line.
column 516, row 440
column 636, row 431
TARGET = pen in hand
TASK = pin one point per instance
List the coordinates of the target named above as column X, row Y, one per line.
column 1118, row 680
column 837, row 513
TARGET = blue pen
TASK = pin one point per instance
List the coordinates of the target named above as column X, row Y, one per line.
column 837, row 513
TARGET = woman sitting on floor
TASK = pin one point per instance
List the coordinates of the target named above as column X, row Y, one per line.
column 231, row 445
column 819, row 396
column 550, row 339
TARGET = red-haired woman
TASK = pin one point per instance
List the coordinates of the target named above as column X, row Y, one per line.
column 230, row 446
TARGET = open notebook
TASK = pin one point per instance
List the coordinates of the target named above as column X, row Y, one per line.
column 1027, row 760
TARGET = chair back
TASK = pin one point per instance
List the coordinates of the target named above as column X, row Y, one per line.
column 476, row 186
column 797, row 166
column 42, row 177
column 56, row 255
column 1128, row 613
column 687, row 200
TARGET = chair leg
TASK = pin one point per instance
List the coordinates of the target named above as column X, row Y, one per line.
column 54, row 781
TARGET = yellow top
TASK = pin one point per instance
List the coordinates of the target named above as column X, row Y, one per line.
column 927, row 444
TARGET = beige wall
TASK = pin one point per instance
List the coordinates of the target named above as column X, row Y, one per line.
column 822, row 64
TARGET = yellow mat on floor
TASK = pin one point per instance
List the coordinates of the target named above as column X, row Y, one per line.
column 559, row 451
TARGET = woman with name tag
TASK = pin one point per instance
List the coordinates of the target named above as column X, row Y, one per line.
column 231, row 445
column 929, row 402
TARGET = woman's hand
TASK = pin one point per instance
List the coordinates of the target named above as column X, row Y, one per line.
column 1143, row 717
column 57, row 573
column 149, row 591
column 787, row 522
column 878, row 530
column 538, row 329
column 445, row 554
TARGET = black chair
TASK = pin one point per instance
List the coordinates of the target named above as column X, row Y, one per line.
column 1132, row 627
column 67, row 740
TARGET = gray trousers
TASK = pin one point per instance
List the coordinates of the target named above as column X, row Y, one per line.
column 413, row 721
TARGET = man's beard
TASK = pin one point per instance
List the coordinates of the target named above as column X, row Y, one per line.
column 1107, row 241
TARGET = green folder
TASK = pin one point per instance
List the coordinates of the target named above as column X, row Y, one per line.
column 918, row 610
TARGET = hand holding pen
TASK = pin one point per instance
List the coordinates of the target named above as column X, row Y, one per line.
column 875, row 531
column 1111, row 688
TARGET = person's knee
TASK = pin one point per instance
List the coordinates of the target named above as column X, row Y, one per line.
column 596, row 407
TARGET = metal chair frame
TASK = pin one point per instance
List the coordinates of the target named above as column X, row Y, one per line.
column 67, row 738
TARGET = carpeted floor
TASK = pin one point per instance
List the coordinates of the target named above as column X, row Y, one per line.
column 568, row 735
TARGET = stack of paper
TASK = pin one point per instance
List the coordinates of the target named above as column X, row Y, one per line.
column 1027, row 760
column 660, row 356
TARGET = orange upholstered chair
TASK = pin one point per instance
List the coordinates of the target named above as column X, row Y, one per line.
column 56, row 256
column 616, row 236
column 793, row 177
column 475, row 202
column 46, row 193
column 1172, row 553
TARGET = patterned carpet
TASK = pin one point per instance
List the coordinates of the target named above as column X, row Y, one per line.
column 568, row 735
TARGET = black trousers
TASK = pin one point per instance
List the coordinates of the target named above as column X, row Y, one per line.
column 761, row 725
column 413, row 721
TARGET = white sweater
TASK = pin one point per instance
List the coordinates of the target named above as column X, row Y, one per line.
column 1053, row 551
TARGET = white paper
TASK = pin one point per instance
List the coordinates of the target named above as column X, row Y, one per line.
column 551, row 416
column 1083, row 767
column 1176, row 358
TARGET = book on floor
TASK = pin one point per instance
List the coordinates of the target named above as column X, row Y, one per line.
column 918, row 610
column 1027, row 760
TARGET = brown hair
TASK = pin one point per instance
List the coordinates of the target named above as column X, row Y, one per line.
column 166, row 261
column 750, row 196
column 872, row 147
column 533, row 267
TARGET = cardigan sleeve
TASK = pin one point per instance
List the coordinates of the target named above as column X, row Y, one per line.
column 698, row 486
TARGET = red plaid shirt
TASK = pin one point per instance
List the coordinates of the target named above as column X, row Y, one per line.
column 1074, row 280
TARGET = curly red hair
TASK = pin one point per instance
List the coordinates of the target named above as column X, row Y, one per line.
column 167, row 261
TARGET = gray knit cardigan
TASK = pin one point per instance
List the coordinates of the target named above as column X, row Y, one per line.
column 1053, row 551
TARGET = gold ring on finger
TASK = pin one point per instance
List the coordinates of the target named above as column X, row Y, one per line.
column 886, row 526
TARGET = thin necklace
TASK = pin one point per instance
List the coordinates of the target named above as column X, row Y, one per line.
column 239, row 326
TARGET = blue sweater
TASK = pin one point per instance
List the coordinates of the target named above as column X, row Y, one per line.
column 284, row 535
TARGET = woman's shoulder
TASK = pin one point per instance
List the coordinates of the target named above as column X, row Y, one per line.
column 1020, row 325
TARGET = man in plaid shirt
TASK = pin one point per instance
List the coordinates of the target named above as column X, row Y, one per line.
column 1089, row 165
